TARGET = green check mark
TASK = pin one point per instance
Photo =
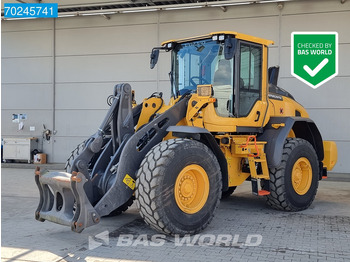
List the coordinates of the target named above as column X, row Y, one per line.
column 318, row 68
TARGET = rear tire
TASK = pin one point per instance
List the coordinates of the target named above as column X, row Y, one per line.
column 293, row 185
column 178, row 187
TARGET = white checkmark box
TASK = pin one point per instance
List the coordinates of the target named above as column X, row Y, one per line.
column 318, row 68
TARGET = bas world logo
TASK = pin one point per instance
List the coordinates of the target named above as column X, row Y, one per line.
column 158, row 240
column 99, row 240
column 314, row 57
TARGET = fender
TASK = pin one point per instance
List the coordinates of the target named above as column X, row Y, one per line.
column 303, row 128
column 204, row 136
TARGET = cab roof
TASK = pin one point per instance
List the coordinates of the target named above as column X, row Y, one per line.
column 237, row 35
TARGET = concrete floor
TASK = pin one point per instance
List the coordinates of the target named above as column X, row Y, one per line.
column 286, row 236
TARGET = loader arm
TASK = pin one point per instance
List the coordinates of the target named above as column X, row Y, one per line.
column 74, row 199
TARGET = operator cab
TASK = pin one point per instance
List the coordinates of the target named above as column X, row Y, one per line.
column 232, row 63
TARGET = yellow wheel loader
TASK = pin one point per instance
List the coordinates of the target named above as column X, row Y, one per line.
column 227, row 122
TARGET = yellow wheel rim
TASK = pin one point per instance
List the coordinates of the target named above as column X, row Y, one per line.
column 191, row 189
column 302, row 176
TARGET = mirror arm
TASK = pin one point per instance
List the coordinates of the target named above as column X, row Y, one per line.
column 155, row 55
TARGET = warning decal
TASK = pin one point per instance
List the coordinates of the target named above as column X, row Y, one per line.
column 129, row 181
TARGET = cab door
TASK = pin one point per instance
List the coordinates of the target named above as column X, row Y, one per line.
column 241, row 104
column 250, row 85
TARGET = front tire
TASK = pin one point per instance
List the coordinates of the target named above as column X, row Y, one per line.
column 74, row 154
column 228, row 193
column 178, row 187
column 68, row 167
column 293, row 184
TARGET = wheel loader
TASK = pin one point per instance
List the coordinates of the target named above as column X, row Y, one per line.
column 227, row 122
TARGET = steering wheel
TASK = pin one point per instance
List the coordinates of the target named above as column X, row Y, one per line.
column 200, row 79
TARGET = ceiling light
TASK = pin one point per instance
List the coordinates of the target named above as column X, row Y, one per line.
column 139, row 10
column 271, row 1
column 183, row 7
column 102, row 13
column 19, row 18
column 229, row 4
column 68, row 15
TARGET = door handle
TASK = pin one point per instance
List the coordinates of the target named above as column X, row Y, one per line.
column 258, row 116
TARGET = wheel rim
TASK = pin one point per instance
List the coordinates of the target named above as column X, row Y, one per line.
column 191, row 189
column 302, row 176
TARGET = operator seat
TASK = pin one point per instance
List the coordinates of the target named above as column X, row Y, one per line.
column 223, row 74
column 222, row 87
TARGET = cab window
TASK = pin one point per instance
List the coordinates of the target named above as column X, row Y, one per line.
column 249, row 77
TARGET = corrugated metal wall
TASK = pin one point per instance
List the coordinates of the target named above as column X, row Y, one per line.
column 60, row 72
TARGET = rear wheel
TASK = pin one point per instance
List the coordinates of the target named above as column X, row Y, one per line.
column 178, row 187
column 293, row 185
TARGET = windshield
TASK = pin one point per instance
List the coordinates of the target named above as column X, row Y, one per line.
column 199, row 63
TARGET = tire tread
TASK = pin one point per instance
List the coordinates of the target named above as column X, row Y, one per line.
column 277, row 198
column 147, row 200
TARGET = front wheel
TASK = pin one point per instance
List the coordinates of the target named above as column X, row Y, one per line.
column 228, row 193
column 178, row 187
column 68, row 167
column 293, row 184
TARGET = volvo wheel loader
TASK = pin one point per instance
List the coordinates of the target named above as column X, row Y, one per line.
column 227, row 122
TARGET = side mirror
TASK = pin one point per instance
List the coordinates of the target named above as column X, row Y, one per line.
column 154, row 58
column 273, row 74
column 230, row 47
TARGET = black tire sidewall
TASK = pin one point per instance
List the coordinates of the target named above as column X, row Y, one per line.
column 188, row 153
column 228, row 193
column 302, row 150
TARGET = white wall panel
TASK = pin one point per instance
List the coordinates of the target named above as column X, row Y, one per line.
column 273, row 55
column 83, row 122
column 322, row 6
column 332, row 21
column 63, row 146
column 27, row 43
column 163, row 66
column 106, row 40
column 26, row 25
column 28, row 96
column 72, row 96
column 213, row 14
column 332, row 123
column 102, row 68
column 343, row 158
column 333, row 94
column 35, row 118
column 100, row 21
column 26, row 70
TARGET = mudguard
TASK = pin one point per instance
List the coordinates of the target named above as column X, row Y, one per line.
column 204, row 136
column 303, row 128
